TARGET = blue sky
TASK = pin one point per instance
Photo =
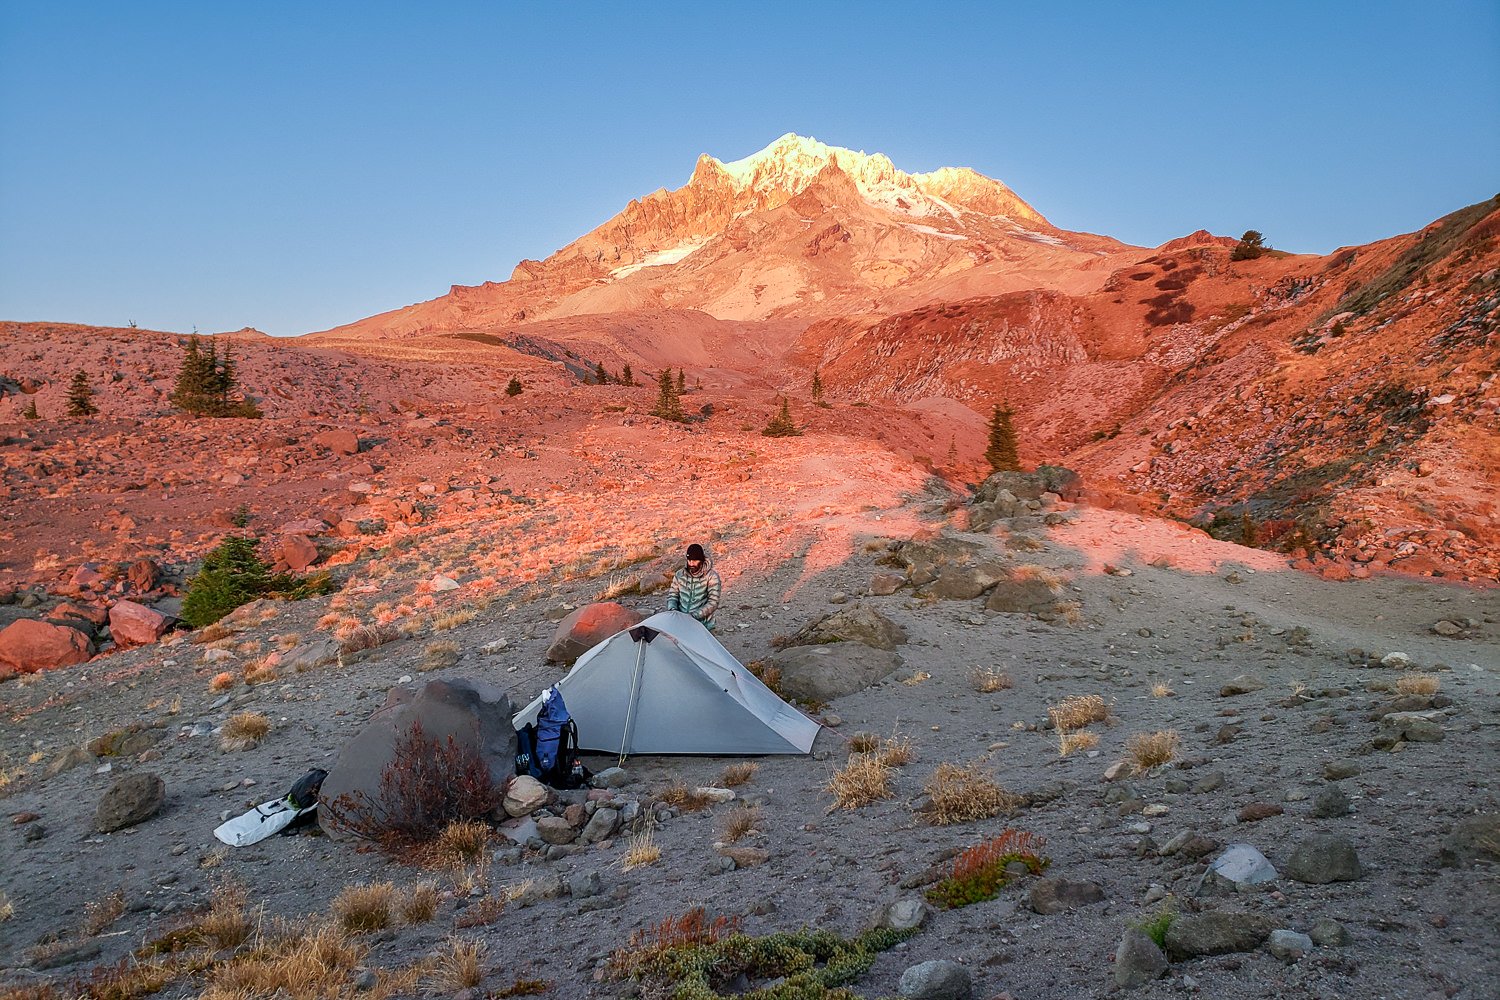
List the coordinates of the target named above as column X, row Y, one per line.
column 296, row 166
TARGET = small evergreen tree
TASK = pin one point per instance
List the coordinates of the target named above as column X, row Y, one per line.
column 1250, row 246
column 1002, row 454
column 233, row 574
column 817, row 387
column 668, row 402
column 190, row 392
column 681, row 382
column 781, row 425
column 627, row 377
column 600, row 375
column 513, row 387
column 30, row 412
column 80, row 396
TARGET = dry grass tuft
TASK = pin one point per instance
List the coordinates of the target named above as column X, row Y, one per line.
column 1162, row 691
column 1077, row 711
column 222, row 682
column 1151, row 749
column 988, row 680
column 617, row 587
column 861, row 781
column 1071, row 612
column 963, row 794
column 312, row 964
column 212, row 633
column 482, row 913
column 897, row 751
column 460, row 965
column 1050, row 579
column 261, row 671
column 643, row 851
column 243, row 731
column 453, row 619
column 439, row 655
column 1420, row 684
column 362, row 637
column 738, row 774
column 286, row 641
column 7, row 908
column 419, row 903
column 1069, row 742
column 679, row 796
column 864, row 743
column 1025, row 543
column 462, row 842
column 367, row 907
column 99, row 915
column 741, row 821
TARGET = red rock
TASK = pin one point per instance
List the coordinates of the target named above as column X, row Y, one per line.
column 298, row 552
column 29, row 645
column 143, row 574
column 1335, row 571
column 86, row 576
column 88, row 612
column 586, row 628
column 340, row 442
column 133, row 624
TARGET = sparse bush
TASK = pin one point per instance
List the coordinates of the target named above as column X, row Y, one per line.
column 1071, row 742
column 419, row 903
column 740, row 821
column 988, row 680
column 963, row 794
column 896, row 751
column 684, row 798
column 428, row 784
column 1151, row 749
column 738, row 773
column 1419, row 684
column 1077, row 711
column 979, row 873
column 243, row 731
column 482, row 913
column 462, row 842
column 643, row 851
column 439, row 655
column 363, row 908
column 363, row 637
column 99, row 915
column 863, row 743
column 1250, row 246
column 221, row 681
column 863, row 780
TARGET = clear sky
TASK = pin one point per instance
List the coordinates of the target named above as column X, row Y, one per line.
column 293, row 166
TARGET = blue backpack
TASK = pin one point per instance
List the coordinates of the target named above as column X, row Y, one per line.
column 548, row 749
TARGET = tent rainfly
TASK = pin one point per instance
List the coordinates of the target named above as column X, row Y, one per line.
column 667, row 686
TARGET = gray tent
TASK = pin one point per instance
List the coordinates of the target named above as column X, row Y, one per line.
column 667, row 686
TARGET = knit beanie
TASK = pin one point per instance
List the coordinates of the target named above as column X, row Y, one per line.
column 695, row 551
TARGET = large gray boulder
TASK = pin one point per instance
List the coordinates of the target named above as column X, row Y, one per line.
column 925, row 560
column 853, row 624
column 132, row 799
column 1138, row 960
column 1028, row 595
column 962, row 583
column 938, row 980
column 1066, row 483
column 1217, row 933
column 823, row 673
column 1476, row 838
column 585, row 628
column 1321, row 858
column 475, row 715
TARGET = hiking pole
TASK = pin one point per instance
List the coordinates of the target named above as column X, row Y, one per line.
column 635, row 683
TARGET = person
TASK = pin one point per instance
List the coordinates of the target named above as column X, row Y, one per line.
column 696, row 587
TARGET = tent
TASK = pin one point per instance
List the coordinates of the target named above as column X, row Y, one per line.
column 667, row 686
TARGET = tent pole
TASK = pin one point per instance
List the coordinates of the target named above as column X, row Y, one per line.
column 635, row 684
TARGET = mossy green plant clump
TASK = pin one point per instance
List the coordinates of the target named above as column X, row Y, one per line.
column 979, row 873
column 806, row 964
